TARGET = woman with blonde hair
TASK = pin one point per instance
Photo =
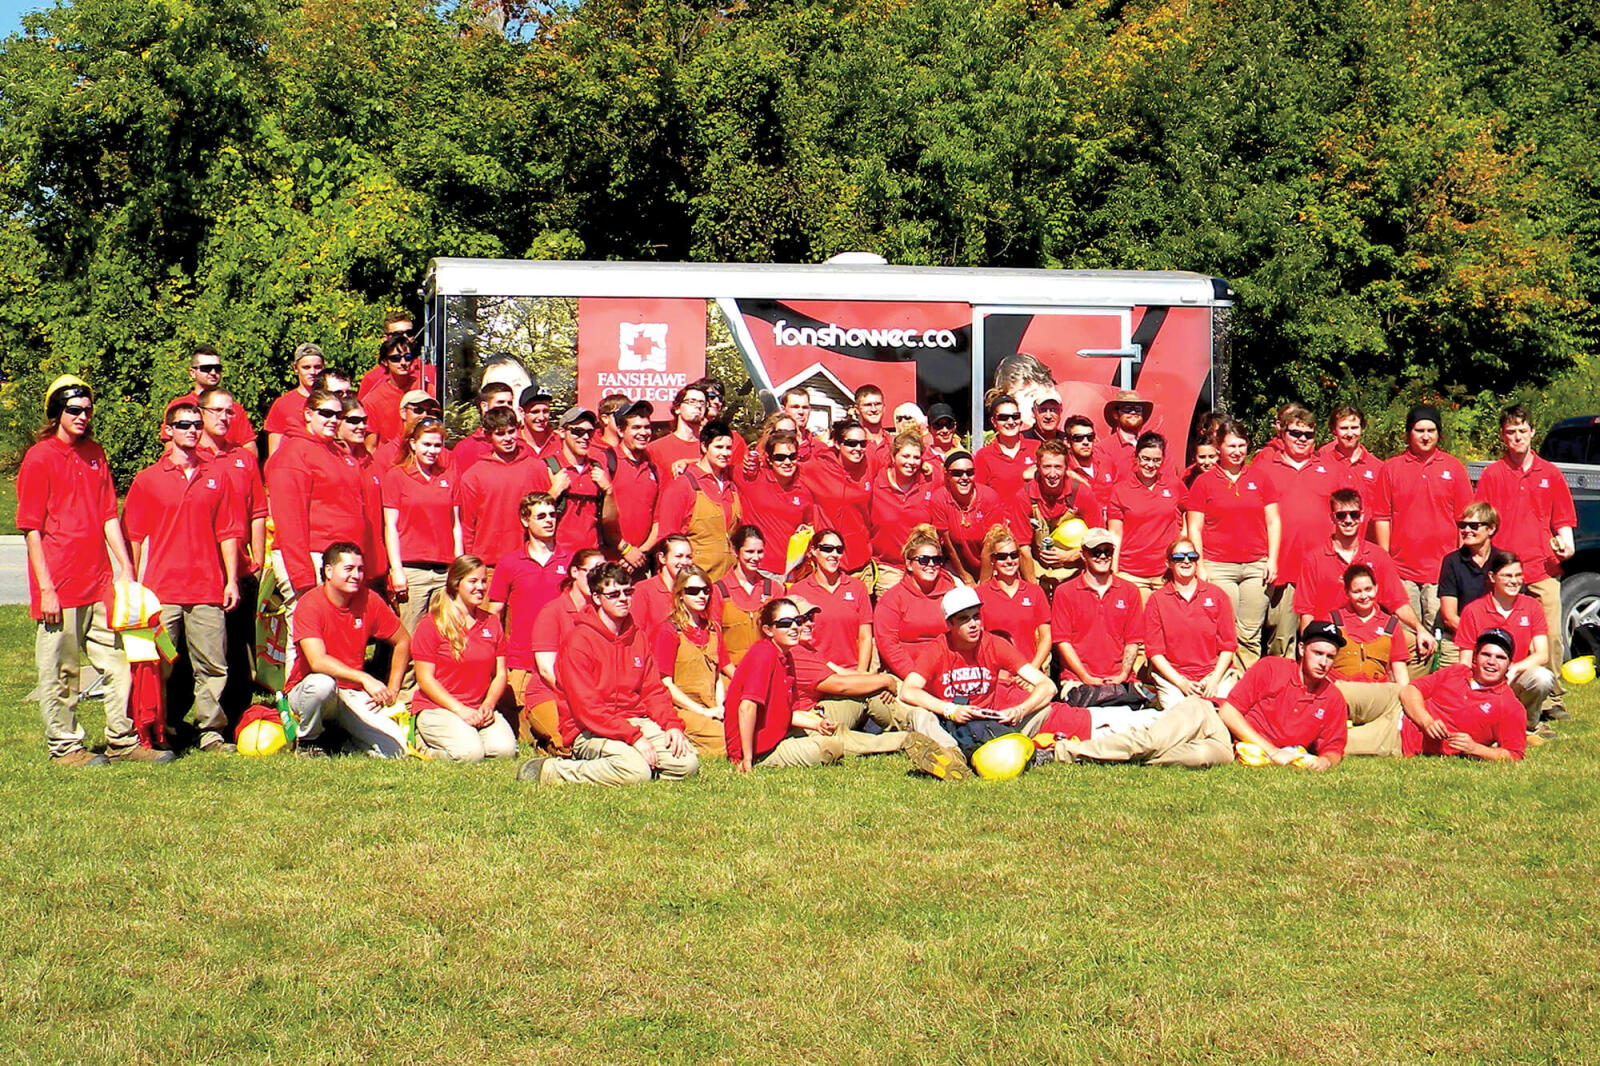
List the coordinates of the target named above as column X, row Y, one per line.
column 902, row 499
column 459, row 651
column 1013, row 607
column 421, row 529
column 691, row 656
column 1189, row 633
column 909, row 617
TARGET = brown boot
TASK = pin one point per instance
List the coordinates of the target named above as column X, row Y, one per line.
column 80, row 758
column 140, row 753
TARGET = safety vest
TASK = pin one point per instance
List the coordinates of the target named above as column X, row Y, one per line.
column 741, row 628
column 1369, row 661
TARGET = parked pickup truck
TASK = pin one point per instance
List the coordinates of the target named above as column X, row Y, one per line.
column 1574, row 446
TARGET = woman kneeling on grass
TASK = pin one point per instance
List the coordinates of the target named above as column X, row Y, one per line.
column 460, row 657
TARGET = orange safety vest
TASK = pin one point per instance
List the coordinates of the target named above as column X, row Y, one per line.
column 1369, row 661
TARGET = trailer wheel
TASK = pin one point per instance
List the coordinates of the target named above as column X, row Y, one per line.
column 1580, row 613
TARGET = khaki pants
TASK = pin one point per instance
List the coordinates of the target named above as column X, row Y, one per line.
column 1285, row 624
column 800, row 749
column 1548, row 593
column 1533, row 687
column 1145, row 585
column 1425, row 601
column 1169, row 695
column 453, row 740
column 705, row 733
column 420, row 586
column 884, row 578
column 890, row 714
column 1189, row 734
column 58, row 654
column 1374, row 710
column 318, row 699
column 1245, row 586
column 600, row 761
column 203, row 630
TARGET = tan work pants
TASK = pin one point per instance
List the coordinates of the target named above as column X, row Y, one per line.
column 1189, row 734
column 203, row 630
column 601, row 761
column 58, row 654
column 453, row 740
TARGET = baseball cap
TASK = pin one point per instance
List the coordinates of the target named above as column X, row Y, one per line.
column 580, row 414
column 1325, row 631
column 908, row 410
column 1098, row 536
column 941, row 411
column 533, row 394
column 418, row 398
column 959, row 599
column 1498, row 637
column 1047, row 396
column 637, row 407
column 803, row 605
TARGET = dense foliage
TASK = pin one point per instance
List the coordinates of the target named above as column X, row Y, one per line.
column 1404, row 194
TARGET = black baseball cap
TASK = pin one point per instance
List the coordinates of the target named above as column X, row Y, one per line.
column 637, row 407
column 1500, row 638
column 1322, row 631
column 533, row 394
column 939, row 412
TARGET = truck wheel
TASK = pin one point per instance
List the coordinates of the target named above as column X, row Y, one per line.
column 1580, row 613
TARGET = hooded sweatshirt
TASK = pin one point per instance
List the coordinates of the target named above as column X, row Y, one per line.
column 606, row 678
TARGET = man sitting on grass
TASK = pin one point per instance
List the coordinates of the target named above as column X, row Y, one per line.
column 616, row 714
column 1466, row 709
column 1281, row 704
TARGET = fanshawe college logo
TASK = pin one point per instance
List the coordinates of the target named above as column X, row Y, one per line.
column 642, row 346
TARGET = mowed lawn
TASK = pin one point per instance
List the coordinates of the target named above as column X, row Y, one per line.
column 269, row 910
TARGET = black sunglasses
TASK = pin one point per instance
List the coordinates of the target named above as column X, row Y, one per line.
column 186, row 423
column 965, row 471
column 831, row 549
column 209, row 368
column 1002, row 557
column 1014, row 416
column 355, row 420
column 1470, row 526
column 1080, row 436
column 77, row 409
column 697, row 590
column 1102, row 551
column 929, row 560
column 1185, row 557
column 332, row 412
column 785, row 623
column 1301, row 434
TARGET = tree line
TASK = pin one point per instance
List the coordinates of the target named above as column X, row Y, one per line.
column 1404, row 195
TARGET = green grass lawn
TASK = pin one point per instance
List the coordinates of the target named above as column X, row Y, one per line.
column 346, row 910
column 8, row 502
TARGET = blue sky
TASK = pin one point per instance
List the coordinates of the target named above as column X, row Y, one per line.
column 11, row 13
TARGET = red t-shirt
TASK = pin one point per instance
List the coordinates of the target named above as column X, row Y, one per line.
column 906, row 620
column 983, row 676
column 1524, row 622
column 1532, row 505
column 1151, row 517
column 1190, row 632
column 893, row 513
column 1005, row 473
column 766, row 678
column 525, row 586
column 1302, row 508
column 1422, row 500
column 1235, row 509
column 1492, row 716
column 844, row 503
column 968, row 526
column 1016, row 618
column 844, row 611
column 776, row 511
column 670, row 449
column 1320, row 588
column 64, row 492
column 1273, row 698
column 186, row 519
column 488, row 497
column 1099, row 627
column 344, row 631
column 467, row 678
column 426, row 518
column 579, row 526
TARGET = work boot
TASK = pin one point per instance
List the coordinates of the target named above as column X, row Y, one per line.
column 216, row 745
column 532, row 771
column 140, row 753
column 80, row 758
column 927, row 755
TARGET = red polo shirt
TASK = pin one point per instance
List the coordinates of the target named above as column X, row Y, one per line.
column 844, row 501
column 382, row 404
column 344, row 631
column 1360, row 471
column 1099, row 627
column 1321, row 585
column 243, row 475
column 1151, row 517
column 636, row 489
column 968, row 526
column 64, row 492
column 287, row 413
column 1002, row 472
column 1302, row 508
column 186, row 519
column 1524, row 621
column 1492, row 716
column 1015, row 617
column 765, row 677
column 1422, row 498
column 893, row 512
column 844, row 611
column 466, row 678
column 810, row 671
column 1235, row 509
column 1273, row 698
column 1100, row 475
column 551, row 628
column 470, row 449
column 488, row 497
column 1118, row 451
column 525, row 585
column 315, row 494
column 677, row 499
column 426, row 513
column 579, row 526
column 1191, row 632
column 1532, row 504
column 776, row 511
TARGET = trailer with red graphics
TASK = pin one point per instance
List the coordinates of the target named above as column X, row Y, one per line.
column 921, row 334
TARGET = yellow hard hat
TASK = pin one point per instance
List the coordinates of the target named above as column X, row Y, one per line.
column 1004, row 757
column 1070, row 533
column 1579, row 671
column 262, row 737
column 62, row 382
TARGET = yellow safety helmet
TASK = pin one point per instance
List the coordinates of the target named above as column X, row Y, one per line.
column 1004, row 757
column 264, row 736
column 1070, row 533
column 1579, row 671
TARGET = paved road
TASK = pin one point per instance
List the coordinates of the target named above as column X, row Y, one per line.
column 13, row 570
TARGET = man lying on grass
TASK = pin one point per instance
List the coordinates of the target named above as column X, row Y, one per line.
column 1467, row 709
column 1281, row 704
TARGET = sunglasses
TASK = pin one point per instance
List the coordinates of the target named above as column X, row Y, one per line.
column 1301, row 434
column 945, row 423
column 929, row 560
column 830, row 549
column 580, row 431
column 542, row 516
column 1080, row 437
column 852, row 442
column 617, row 594
column 77, row 410
column 1185, row 557
column 965, row 471
column 697, row 590
column 209, row 368
column 404, row 358
column 330, row 412
column 1346, row 516
column 1005, row 557
column 785, row 623
column 1012, row 417
column 185, row 423
column 1102, row 551
column 1470, row 526
column 355, row 420
column 784, row 457
column 422, row 407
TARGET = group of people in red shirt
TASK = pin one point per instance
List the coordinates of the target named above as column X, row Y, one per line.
column 629, row 603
